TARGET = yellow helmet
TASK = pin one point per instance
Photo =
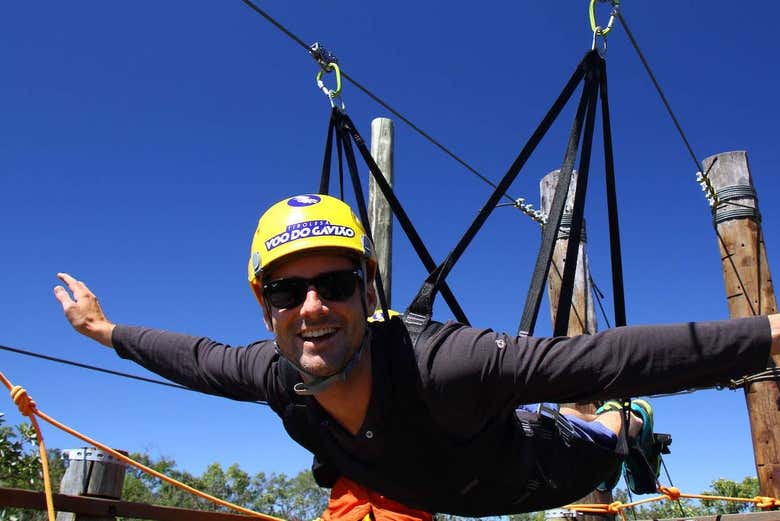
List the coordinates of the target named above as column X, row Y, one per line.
column 303, row 223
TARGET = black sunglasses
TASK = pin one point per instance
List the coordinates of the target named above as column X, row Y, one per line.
column 332, row 285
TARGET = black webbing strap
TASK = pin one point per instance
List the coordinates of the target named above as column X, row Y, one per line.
column 340, row 146
column 346, row 124
column 590, row 94
column 550, row 232
column 326, row 161
column 621, row 449
column 616, row 258
column 423, row 302
column 343, row 138
column 618, row 292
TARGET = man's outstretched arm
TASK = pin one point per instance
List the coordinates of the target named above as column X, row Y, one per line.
column 196, row 362
column 83, row 310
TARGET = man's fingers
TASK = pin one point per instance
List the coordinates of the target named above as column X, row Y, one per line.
column 62, row 295
column 78, row 288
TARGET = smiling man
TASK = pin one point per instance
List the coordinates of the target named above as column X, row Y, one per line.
column 401, row 427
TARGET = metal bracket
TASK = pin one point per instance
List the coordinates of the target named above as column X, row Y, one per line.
column 90, row 454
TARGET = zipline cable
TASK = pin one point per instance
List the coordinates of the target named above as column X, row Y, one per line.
column 381, row 102
column 659, row 90
column 101, row 370
column 702, row 175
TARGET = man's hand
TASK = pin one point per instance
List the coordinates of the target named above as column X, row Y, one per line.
column 774, row 324
column 83, row 311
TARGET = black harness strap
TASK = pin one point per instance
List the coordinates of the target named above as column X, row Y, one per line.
column 618, row 292
column 590, row 93
column 347, row 126
column 423, row 302
column 343, row 138
column 550, row 231
column 326, row 161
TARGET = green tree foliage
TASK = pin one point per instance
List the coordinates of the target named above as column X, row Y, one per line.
column 296, row 499
column 20, row 466
column 748, row 488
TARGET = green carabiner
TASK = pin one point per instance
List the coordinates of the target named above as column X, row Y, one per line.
column 328, row 92
column 597, row 29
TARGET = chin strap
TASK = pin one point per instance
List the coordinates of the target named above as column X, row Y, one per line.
column 320, row 383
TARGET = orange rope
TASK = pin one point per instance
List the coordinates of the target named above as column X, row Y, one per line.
column 672, row 494
column 28, row 408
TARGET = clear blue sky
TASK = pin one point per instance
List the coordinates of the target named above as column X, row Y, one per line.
column 140, row 141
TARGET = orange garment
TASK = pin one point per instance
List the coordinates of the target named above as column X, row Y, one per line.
column 352, row 502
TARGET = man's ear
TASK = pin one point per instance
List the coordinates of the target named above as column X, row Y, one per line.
column 269, row 325
column 265, row 307
column 372, row 300
column 371, row 297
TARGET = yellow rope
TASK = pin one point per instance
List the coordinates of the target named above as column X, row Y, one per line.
column 28, row 408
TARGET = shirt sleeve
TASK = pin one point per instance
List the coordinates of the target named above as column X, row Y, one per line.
column 471, row 375
column 240, row 373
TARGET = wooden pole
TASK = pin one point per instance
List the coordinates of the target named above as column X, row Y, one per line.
column 91, row 472
column 379, row 213
column 749, row 292
column 582, row 319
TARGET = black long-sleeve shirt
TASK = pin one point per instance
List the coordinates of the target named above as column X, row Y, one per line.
column 440, row 433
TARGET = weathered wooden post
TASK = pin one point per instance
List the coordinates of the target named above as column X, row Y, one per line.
column 91, row 472
column 379, row 213
column 749, row 292
column 582, row 319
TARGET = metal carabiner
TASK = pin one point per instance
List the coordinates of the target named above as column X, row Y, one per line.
column 603, row 49
column 331, row 93
column 597, row 29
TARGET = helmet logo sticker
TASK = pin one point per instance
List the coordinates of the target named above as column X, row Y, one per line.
column 303, row 200
column 318, row 228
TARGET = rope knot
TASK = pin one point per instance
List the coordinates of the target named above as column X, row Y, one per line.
column 615, row 507
column 765, row 502
column 22, row 400
column 672, row 493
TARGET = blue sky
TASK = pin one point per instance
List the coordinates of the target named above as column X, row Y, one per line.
column 139, row 143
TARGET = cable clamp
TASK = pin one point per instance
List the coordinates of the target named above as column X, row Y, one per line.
column 528, row 209
column 322, row 55
column 713, row 197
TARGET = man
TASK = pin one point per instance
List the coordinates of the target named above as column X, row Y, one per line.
column 430, row 424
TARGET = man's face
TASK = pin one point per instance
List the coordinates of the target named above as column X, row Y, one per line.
column 320, row 335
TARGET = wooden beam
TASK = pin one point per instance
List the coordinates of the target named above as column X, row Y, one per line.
column 95, row 507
